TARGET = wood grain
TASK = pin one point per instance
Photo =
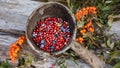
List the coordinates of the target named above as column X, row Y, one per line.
column 13, row 18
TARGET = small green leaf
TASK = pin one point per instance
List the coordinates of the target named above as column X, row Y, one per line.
column 117, row 61
column 116, row 65
column 21, row 61
column 71, row 8
column 35, row 58
column 72, row 58
column 5, row 64
column 72, row 54
column 100, row 5
column 110, row 20
column 113, row 55
column 30, row 59
column 109, row 23
column 106, row 8
column 68, row 3
column 2, row 67
column 57, row 63
column 60, row 61
column 62, row 66
column 63, row 60
column 80, row 24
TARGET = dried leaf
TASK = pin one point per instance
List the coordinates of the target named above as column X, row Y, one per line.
column 103, row 45
column 111, row 45
column 99, row 24
column 108, row 42
column 107, row 2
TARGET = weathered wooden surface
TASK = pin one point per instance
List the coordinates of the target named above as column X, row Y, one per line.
column 13, row 18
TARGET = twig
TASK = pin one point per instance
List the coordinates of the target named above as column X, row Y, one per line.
column 87, row 55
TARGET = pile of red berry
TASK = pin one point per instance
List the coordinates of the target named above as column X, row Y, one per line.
column 51, row 34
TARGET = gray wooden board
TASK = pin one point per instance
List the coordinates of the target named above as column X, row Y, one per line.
column 13, row 16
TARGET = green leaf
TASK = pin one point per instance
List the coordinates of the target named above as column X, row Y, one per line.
column 109, row 23
column 106, row 8
column 70, row 6
column 117, row 61
column 80, row 24
column 116, row 65
column 62, row 66
column 100, row 6
column 63, row 60
column 113, row 55
column 72, row 58
column 110, row 20
column 21, row 62
column 57, row 63
column 60, row 61
column 72, row 53
column 68, row 3
column 30, row 59
column 5, row 64
column 2, row 67
column 35, row 58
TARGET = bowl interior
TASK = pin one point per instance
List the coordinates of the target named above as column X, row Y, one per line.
column 49, row 10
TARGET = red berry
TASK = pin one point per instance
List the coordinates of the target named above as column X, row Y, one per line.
column 55, row 33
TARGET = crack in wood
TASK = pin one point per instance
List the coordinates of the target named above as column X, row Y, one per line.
column 11, row 32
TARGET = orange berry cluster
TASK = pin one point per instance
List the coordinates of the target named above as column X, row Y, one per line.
column 86, row 28
column 79, row 39
column 15, row 47
column 84, row 12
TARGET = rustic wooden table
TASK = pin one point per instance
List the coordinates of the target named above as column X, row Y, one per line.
column 13, row 18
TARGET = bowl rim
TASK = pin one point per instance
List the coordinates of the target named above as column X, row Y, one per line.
column 30, row 16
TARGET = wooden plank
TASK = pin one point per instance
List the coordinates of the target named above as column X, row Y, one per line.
column 14, row 14
column 13, row 18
